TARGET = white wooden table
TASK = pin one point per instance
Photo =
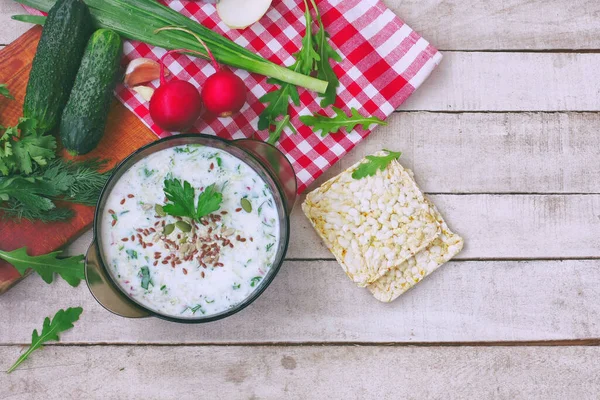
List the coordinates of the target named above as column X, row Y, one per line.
column 506, row 138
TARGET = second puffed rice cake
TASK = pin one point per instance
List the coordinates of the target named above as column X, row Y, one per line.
column 373, row 224
column 403, row 277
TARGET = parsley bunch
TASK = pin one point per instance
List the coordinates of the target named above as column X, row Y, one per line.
column 24, row 146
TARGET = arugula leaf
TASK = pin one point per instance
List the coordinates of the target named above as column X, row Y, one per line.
column 279, row 100
column 4, row 91
column 209, row 201
column 375, row 163
column 324, row 68
column 24, row 146
column 332, row 125
column 71, row 269
column 181, row 196
column 63, row 320
column 275, row 135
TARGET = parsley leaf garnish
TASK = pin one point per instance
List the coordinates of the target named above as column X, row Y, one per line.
column 209, row 201
column 375, row 163
column 63, row 320
column 4, row 91
column 333, row 124
column 182, row 196
column 71, row 269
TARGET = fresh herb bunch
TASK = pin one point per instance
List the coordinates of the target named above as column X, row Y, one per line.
column 33, row 197
column 181, row 198
column 70, row 268
column 63, row 320
column 334, row 124
column 24, row 146
column 375, row 163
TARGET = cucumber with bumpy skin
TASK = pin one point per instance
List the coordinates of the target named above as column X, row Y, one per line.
column 84, row 119
column 57, row 59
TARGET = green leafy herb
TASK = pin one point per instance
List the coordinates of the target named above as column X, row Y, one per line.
column 219, row 161
column 182, row 195
column 33, row 197
column 4, row 91
column 148, row 172
column 375, row 163
column 280, row 125
column 24, row 146
column 163, row 287
column 71, row 269
column 255, row 280
column 63, row 320
column 324, row 68
column 333, row 124
column 270, row 246
column 209, row 301
column 197, row 308
column 237, row 286
column 132, row 254
column 208, row 202
column 146, row 278
column 279, row 100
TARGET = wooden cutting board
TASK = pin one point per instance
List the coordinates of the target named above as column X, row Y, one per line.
column 124, row 134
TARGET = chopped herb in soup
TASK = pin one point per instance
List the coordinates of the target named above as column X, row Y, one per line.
column 190, row 231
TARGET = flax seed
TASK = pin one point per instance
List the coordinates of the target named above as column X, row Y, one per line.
column 203, row 275
column 114, row 222
column 165, row 262
column 238, row 209
column 155, row 263
column 185, row 271
column 212, row 166
column 125, row 240
column 130, row 196
column 122, row 201
column 111, row 212
column 149, row 244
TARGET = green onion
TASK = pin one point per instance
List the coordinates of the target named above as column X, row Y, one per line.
column 139, row 19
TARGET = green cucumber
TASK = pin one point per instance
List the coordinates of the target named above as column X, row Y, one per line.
column 84, row 119
column 65, row 34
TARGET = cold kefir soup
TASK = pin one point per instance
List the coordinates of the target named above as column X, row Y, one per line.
column 190, row 231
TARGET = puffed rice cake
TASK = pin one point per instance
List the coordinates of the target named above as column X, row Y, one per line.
column 373, row 224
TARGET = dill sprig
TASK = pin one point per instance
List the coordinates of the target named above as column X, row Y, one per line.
column 33, row 197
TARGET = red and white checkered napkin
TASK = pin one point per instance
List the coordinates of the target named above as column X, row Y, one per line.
column 384, row 61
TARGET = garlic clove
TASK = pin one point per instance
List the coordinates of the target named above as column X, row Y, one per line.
column 144, row 91
column 140, row 71
column 240, row 14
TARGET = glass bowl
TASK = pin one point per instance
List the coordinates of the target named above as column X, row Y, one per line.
column 270, row 164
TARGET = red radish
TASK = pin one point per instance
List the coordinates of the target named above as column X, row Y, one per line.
column 223, row 93
column 176, row 104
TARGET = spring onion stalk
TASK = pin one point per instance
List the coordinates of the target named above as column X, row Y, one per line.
column 141, row 19
column 30, row 19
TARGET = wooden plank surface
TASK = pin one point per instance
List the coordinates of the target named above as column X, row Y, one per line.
column 466, row 25
column 9, row 29
column 498, row 226
column 491, row 152
column 314, row 302
column 476, row 81
column 227, row 373
column 503, row 25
